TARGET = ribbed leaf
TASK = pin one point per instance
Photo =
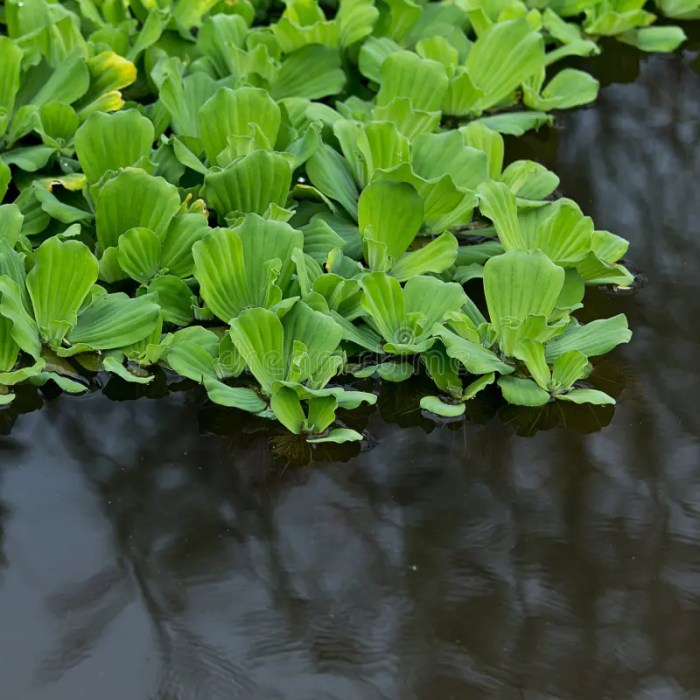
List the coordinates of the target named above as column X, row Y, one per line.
column 250, row 184
column 112, row 141
column 594, row 396
column 139, row 254
column 259, row 337
column 522, row 392
column 248, row 266
column 286, row 406
column 24, row 328
column 134, row 199
column 59, row 282
column 184, row 231
column 502, row 57
column 10, row 62
column 435, row 155
column 519, row 284
column 568, row 368
column 313, row 72
column 422, row 81
column 566, row 235
column 475, row 357
column 244, row 112
column 497, row 202
column 389, row 216
column 115, row 321
column 531, row 353
column 330, row 173
column 594, row 338
column 436, row 256
column 175, row 299
column 384, row 303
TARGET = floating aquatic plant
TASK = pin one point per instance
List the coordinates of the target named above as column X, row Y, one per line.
column 271, row 200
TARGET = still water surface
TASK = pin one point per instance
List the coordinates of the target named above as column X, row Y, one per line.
column 160, row 550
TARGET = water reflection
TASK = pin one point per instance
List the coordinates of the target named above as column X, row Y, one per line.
column 162, row 549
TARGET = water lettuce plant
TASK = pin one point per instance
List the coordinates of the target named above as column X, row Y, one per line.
column 274, row 201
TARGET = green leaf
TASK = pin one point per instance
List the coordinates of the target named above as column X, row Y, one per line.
column 56, row 209
column 114, row 321
column 247, row 266
column 139, row 254
column 10, row 64
column 436, row 256
column 478, row 385
column 529, row 179
column 435, row 155
column 321, row 414
column 112, row 141
column 593, row 396
column 519, row 284
column 59, row 282
column 57, row 123
column 176, row 253
column 405, row 74
column 310, row 342
column 435, row 405
column 497, row 203
column 313, row 72
column 175, row 299
column 475, row 357
column 568, row 368
column 24, row 328
column 516, row 123
column 503, row 57
column 566, row 235
column 656, row 39
column 522, row 392
column 250, row 184
column 134, row 199
column 5, row 178
column 11, row 221
column 9, row 349
column 30, row 158
column 64, row 383
column 114, row 365
column 356, row 19
column 568, row 88
column 330, row 173
column 234, row 397
column 594, row 338
column 478, row 135
column 245, row 113
column 370, row 147
column 338, row 436
column 373, row 53
column 389, row 217
column 531, row 353
column 409, row 121
column 384, row 303
column 259, row 338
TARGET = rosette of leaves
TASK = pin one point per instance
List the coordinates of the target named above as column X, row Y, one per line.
column 430, row 183
column 404, row 318
column 52, row 79
column 531, row 342
column 561, row 231
column 58, row 307
column 293, row 358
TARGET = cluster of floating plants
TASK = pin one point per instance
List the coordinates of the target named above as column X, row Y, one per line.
column 269, row 199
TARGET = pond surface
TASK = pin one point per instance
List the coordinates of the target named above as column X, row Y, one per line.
column 160, row 550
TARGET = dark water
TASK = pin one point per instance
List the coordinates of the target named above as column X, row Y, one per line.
column 161, row 550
